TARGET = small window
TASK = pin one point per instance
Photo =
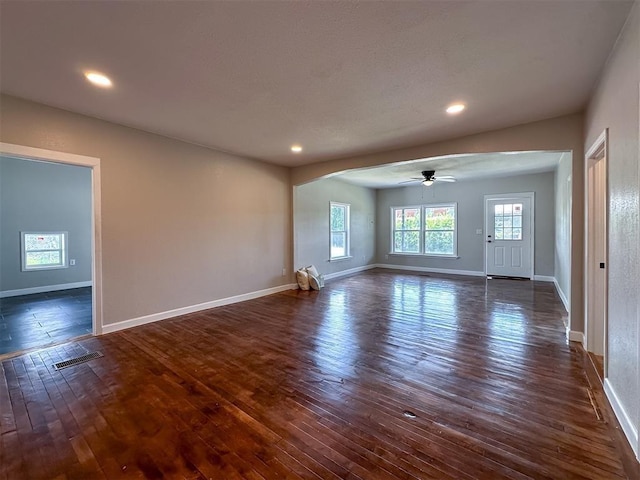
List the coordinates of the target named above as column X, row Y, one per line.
column 339, row 230
column 508, row 221
column 43, row 250
column 407, row 225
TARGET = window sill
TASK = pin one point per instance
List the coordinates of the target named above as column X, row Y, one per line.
column 430, row 255
column 338, row 259
column 39, row 269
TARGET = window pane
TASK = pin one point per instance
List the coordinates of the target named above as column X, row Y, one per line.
column 42, row 242
column 517, row 209
column 498, row 222
column 440, row 218
column 439, row 242
column 507, row 221
column 398, row 219
column 517, row 234
column 397, row 242
column 499, row 233
column 499, row 210
column 412, row 219
column 517, row 221
column 507, row 234
column 42, row 259
column 411, row 242
column 337, row 217
column 338, row 244
column 507, row 209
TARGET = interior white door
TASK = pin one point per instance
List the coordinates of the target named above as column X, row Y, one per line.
column 509, row 236
column 596, row 249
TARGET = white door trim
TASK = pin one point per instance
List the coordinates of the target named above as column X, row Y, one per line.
column 597, row 153
column 43, row 155
column 508, row 196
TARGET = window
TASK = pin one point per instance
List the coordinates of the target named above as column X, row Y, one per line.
column 425, row 230
column 406, row 229
column 43, row 250
column 440, row 230
column 339, row 230
column 508, row 221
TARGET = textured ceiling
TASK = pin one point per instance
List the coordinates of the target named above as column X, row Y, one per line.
column 461, row 167
column 340, row 78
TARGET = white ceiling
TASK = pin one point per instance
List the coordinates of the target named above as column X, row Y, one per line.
column 461, row 167
column 340, row 78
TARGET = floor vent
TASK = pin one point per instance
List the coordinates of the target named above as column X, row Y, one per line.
column 77, row 360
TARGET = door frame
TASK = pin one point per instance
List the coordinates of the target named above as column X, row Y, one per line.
column 51, row 156
column 510, row 196
column 598, row 152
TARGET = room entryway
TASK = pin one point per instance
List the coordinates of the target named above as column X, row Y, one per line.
column 509, row 230
column 50, row 275
column 596, row 248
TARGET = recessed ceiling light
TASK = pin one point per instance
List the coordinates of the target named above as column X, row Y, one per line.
column 455, row 108
column 296, row 148
column 98, row 79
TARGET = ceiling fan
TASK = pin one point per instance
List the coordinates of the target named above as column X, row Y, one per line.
column 429, row 176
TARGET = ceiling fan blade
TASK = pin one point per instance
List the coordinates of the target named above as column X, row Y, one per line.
column 445, row 179
column 411, row 181
column 442, row 177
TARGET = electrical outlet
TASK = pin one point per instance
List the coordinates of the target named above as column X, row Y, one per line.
column 479, row 231
column 72, row 262
column 284, row 272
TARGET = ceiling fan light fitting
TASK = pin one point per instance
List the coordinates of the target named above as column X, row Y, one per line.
column 427, row 183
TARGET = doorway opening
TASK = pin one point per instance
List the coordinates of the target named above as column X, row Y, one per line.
column 509, row 228
column 596, row 251
column 51, row 277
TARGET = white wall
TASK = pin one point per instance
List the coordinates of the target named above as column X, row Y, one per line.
column 181, row 224
column 37, row 196
column 470, row 198
column 562, row 258
column 615, row 105
column 311, row 224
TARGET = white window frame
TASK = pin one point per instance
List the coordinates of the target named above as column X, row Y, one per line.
column 346, row 231
column 393, row 229
column 455, row 228
column 424, row 230
column 64, row 251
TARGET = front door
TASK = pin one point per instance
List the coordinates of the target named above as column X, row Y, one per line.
column 509, row 235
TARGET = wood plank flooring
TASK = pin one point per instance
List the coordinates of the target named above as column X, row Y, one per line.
column 315, row 385
column 41, row 319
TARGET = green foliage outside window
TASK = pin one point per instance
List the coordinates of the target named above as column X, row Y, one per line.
column 337, row 218
column 438, row 231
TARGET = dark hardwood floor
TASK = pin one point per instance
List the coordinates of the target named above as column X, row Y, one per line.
column 382, row 375
column 41, row 319
column 598, row 365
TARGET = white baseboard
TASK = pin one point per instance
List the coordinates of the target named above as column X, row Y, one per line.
column 449, row 271
column 134, row 322
column 46, row 288
column 621, row 414
column 562, row 296
column 575, row 336
column 350, row 271
column 544, row 278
